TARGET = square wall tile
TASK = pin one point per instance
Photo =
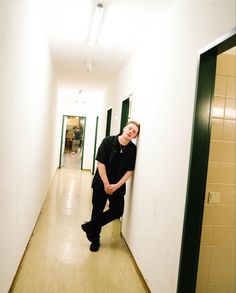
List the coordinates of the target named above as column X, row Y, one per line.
column 221, row 86
column 223, row 236
column 225, row 215
column 231, row 88
column 229, row 130
column 230, row 109
column 202, row 276
column 227, row 188
column 209, row 214
column 228, row 198
column 207, row 236
column 231, row 276
column 227, row 194
column 232, row 65
column 201, row 289
column 215, row 151
column 228, row 151
column 218, row 276
column 217, row 129
column 222, row 64
column 217, row 289
column 219, row 256
column 205, row 256
column 213, row 172
column 218, row 107
column 231, row 256
column 231, row 289
column 227, row 173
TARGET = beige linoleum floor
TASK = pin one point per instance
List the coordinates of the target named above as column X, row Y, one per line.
column 58, row 257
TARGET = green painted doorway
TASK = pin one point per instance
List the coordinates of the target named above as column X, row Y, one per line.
column 125, row 110
column 198, row 166
column 108, row 125
column 68, row 123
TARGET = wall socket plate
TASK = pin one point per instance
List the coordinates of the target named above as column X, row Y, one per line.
column 214, row 197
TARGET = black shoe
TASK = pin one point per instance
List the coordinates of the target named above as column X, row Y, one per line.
column 89, row 232
column 94, row 246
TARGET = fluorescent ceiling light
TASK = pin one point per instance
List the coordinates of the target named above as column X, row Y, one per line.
column 95, row 25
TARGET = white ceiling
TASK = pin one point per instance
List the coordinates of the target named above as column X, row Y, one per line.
column 67, row 24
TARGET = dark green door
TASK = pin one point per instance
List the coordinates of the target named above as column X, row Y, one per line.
column 108, row 126
column 124, row 113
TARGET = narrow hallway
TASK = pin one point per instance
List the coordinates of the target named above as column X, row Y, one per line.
column 58, row 257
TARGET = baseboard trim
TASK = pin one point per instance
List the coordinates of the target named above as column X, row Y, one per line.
column 136, row 266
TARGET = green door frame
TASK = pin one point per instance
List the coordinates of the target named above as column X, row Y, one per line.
column 108, row 125
column 124, row 113
column 62, row 134
column 198, row 165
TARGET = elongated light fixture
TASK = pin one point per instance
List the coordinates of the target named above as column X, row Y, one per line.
column 95, row 25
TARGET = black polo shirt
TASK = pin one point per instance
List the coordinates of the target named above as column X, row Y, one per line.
column 117, row 159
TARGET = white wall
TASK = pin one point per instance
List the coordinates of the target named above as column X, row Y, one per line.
column 28, row 141
column 162, row 76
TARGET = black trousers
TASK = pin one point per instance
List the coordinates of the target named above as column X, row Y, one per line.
column 100, row 218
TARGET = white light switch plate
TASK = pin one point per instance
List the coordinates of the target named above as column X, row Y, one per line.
column 214, row 197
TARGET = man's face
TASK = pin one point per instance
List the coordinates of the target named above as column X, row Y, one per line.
column 130, row 131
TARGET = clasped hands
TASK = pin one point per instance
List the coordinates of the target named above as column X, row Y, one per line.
column 110, row 188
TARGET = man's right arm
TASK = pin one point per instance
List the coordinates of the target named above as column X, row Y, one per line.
column 103, row 174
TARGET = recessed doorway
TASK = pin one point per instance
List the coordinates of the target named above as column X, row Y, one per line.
column 71, row 148
column 198, row 168
column 125, row 112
